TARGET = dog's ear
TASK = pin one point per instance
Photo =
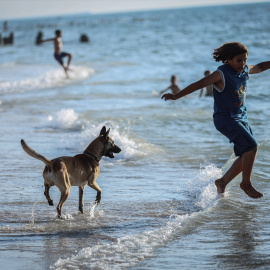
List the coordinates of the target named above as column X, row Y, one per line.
column 105, row 137
column 103, row 131
column 107, row 134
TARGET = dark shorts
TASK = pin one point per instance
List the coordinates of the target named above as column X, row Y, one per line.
column 59, row 57
column 240, row 134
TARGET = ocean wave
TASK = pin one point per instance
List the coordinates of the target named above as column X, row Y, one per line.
column 65, row 119
column 133, row 147
column 28, row 79
column 128, row 251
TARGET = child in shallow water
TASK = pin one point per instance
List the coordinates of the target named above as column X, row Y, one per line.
column 174, row 86
column 209, row 88
column 58, row 54
column 230, row 115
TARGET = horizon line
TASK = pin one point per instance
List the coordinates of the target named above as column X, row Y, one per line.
column 135, row 10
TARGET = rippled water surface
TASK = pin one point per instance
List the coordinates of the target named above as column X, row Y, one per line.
column 159, row 207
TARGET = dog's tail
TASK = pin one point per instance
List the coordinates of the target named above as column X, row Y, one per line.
column 34, row 154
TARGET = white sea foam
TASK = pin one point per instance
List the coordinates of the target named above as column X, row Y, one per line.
column 41, row 79
column 129, row 147
column 64, row 119
column 133, row 148
column 68, row 119
column 127, row 251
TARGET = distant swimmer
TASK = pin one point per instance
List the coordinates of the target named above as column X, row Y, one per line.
column 208, row 88
column 58, row 54
column 174, row 87
column 230, row 112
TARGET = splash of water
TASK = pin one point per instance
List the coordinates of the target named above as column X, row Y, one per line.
column 203, row 187
column 91, row 210
column 32, row 218
column 64, row 119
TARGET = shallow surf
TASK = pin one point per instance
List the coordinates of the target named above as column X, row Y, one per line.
column 159, row 206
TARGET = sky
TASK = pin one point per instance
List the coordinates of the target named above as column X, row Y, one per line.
column 15, row 9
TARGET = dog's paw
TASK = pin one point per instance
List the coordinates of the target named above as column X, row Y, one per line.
column 50, row 202
column 81, row 209
column 98, row 198
column 97, row 202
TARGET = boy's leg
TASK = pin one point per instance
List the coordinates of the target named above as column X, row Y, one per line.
column 246, row 186
column 233, row 171
column 58, row 58
column 243, row 164
column 69, row 59
column 65, row 69
column 241, row 135
column 69, row 55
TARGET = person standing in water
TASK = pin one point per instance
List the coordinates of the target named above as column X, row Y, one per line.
column 230, row 113
column 174, row 86
column 58, row 54
column 209, row 88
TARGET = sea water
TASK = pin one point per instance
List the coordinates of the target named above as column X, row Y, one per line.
column 159, row 207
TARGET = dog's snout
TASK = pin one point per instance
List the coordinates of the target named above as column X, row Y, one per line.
column 117, row 149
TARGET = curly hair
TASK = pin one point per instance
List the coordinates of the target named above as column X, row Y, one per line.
column 229, row 51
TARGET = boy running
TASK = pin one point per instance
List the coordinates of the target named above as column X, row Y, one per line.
column 230, row 114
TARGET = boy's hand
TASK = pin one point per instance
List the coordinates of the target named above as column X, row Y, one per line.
column 168, row 97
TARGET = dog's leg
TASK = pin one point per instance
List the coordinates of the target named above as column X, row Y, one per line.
column 96, row 187
column 81, row 190
column 46, row 193
column 64, row 197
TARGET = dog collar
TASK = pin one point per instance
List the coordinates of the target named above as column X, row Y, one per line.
column 91, row 155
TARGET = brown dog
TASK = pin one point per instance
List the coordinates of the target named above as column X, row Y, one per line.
column 79, row 170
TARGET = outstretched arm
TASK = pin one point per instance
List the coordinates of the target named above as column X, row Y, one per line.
column 49, row 39
column 161, row 92
column 253, row 69
column 210, row 79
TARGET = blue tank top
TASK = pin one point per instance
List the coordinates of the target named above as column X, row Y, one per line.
column 230, row 100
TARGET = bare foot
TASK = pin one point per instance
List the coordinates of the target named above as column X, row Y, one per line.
column 251, row 191
column 220, row 186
